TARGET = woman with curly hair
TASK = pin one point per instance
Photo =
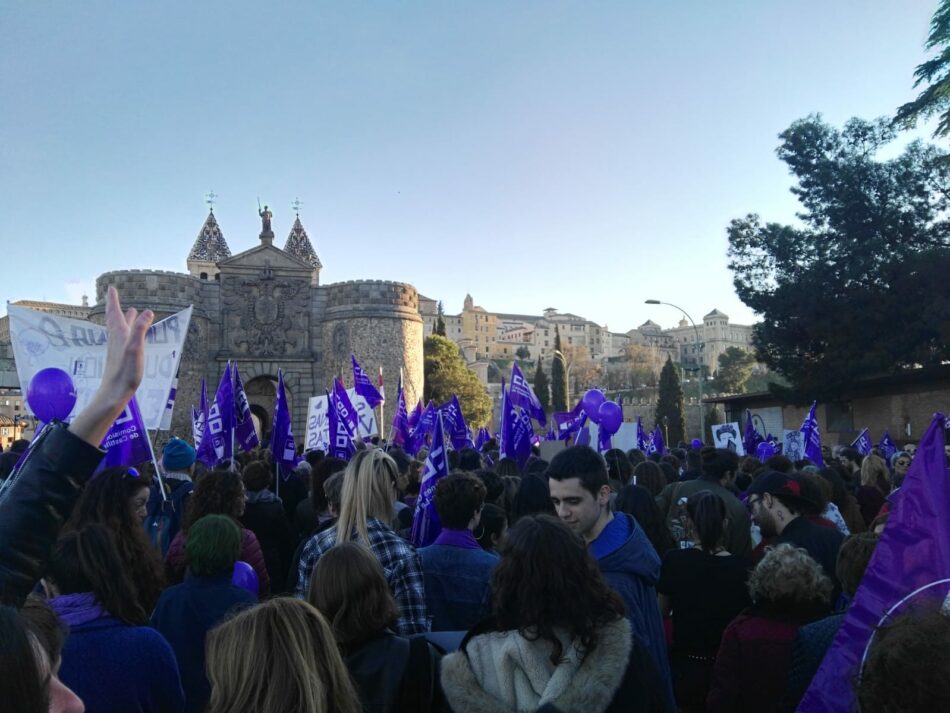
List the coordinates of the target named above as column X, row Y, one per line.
column 117, row 498
column 558, row 636
column 788, row 589
column 218, row 492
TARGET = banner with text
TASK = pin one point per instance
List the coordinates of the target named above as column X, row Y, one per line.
column 318, row 428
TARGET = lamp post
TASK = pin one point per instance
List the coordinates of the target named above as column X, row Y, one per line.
column 702, row 425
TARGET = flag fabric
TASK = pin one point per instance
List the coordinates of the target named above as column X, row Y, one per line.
column 379, row 384
column 521, row 394
column 282, row 444
column 364, row 385
column 521, row 434
column 169, row 411
column 425, row 523
column 483, row 437
column 811, row 437
column 504, row 433
column 750, row 438
column 568, row 422
column 244, row 433
column 551, row 434
column 604, row 440
column 910, row 567
column 200, row 417
column 887, row 446
column 862, row 444
column 583, row 435
column 657, row 444
column 423, row 425
column 415, row 414
column 454, row 421
column 401, row 430
column 345, row 408
column 127, row 443
column 216, row 439
column 341, row 438
column 643, row 441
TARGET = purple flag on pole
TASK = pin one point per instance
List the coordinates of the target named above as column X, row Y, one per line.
column 454, row 421
column 521, row 394
column 750, row 438
column 401, row 430
column 216, row 440
column 425, row 523
column 282, row 444
column 345, row 408
column 364, row 385
column 657, row 443
column 423, row 425
column 483, row 437
column 568, row 422
column 415, row 414
column 811, row 437
column 910, row 567
column 583, row 435
column 244, row 431
column 341, row 438
column 643, row 442
column 507, row 424
column 521, row 434
column 862, row 444
column 551, row 434
column 200, row 417
column 887, row 446
column 126, row 443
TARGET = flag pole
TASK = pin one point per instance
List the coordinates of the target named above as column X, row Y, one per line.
column 158, row 471
column 382, row 417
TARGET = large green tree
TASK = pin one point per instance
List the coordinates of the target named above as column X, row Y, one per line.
column 859, row 288
column 558, row 376
column 669, row 403
column 735, row 368
column 542, row 388
column 446, row 374
column 440, row 321
column 934, row 99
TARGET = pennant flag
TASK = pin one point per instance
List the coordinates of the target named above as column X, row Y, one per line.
column 200, row 417
column 568, row 422
column 401, row 431
column 643, row 441
column 811, row 437
column 862, row 444
column 127, row 443
column 750, row 438
column 657, row 444
column 282, row 444
column 454, row 421
column 425, row 523
column 166, row 423
column 244, row 430
column 415, row 414
column 910, row 567
column 341, row 438
column 216, row 439
column 887, row 446
column 521, row 394
column 364, row 385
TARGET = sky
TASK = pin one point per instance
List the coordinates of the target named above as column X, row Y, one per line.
column 578, row 155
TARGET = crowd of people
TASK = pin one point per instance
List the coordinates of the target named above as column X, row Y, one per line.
column 692, row 581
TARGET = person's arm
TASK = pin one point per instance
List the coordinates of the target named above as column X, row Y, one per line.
column 409, row 591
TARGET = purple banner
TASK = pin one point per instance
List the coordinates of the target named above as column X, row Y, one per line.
column 811, row 437
column 244, row 431
column 862, row 444
column 341, row 439
column 282, row 444
column 887, row 446
column 750, row 438
column 344, row 408
column 425, row 523
column 216, row 439
column 364, row 385
column 401, row 430
column 568, row 422
column 126, row 443
column 521, row 394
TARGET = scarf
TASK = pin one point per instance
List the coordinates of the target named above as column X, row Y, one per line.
column 78, row 609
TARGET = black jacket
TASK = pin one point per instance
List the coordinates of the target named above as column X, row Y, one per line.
column 268, row 521
column 394, row 673
column 34, row 508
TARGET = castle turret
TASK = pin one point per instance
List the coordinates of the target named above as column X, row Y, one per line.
column 210, row 248
column 299, row 245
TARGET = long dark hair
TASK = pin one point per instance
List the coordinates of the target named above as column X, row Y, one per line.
column 87, row 560
column 107, row 501
column 708, row 513
column 636, row 500
column 23, row 691
column 546, row 579
column 218, row 492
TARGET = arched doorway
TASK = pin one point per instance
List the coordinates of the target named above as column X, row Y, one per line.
column 261, row 396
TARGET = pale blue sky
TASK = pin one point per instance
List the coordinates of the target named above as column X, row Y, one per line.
column 581, row 155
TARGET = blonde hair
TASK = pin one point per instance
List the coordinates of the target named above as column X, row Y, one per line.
column 874, row 472
column 368, row 492
column 789, row 575
column 278, row 656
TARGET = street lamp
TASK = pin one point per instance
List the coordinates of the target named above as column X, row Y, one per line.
column 702, row 425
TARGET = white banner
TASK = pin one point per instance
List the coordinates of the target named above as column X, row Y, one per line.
column 793, row 446
column 42, row 340
column 728, row 436
column 318, row 428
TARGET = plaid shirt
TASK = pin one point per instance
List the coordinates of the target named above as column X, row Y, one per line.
column 400, row 563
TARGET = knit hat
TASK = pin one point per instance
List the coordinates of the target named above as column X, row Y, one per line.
column 178, row 455
column 788, row 487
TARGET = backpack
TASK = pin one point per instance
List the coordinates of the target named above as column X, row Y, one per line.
column 164, row 517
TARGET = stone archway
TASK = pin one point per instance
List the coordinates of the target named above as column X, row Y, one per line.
column 261, row 396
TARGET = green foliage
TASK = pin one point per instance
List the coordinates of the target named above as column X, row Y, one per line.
column 446, row 374
column 860, row 288
column 735, row 368
column 541, row 388
column 440, row 321
column 935, row 72
column 558, row 376
column 669, row 404
column 523, row 352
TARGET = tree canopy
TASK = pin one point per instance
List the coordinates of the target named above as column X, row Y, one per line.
column 558, row 376
column 542, row 388
column 859, row 288
column 735, row 368
column 935, row 73
column 669, row 403
column 446, row 374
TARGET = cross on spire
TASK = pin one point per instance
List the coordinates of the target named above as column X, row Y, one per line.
column 209, row 199
column 296, row 205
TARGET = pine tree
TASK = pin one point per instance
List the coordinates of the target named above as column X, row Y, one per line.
column 541, row 388
column 446, row 373
column 669, row 405
column 558, row 376
column 440, row 321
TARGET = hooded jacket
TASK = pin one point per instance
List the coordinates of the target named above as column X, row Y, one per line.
column 632, row 571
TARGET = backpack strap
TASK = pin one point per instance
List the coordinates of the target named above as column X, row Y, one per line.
column 419, row 679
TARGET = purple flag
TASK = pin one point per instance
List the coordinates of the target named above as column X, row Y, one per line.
column 345, row 408
column 504, row 433
column 423, row 425
column 521, row 394
column 483, row 437
column 862, row 444
column 551, row 434
column 425, row 523
column 910, row 567
column 811, row 437
column 887, row 446
column 521, row 434
column 750, row 438
column 657, row 443
column 200, row 417
column 415, row 414
column 243, row 423
column 341, row 438
column 401, row 431
column 216, row 439
column 426, row 421
column 643, row 441
column 604, row 441
column 583, row 436
column 126, row 443
column 364, row 385
column 568, row 422
column 282, row 444
column 454, row 421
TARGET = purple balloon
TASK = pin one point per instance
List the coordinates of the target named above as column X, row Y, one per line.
column 697, row 443
column 764, row 451
column 611, row 416
column 51, row 395
column 591, row 402
column 245, row 577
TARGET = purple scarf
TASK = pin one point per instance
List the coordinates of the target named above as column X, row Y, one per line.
column 458, row 538
column 77, row 609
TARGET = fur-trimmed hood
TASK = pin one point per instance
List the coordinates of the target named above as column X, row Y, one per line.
column 502, row 672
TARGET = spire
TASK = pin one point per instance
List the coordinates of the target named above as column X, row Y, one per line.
column 210, row 245
column 298, row 245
